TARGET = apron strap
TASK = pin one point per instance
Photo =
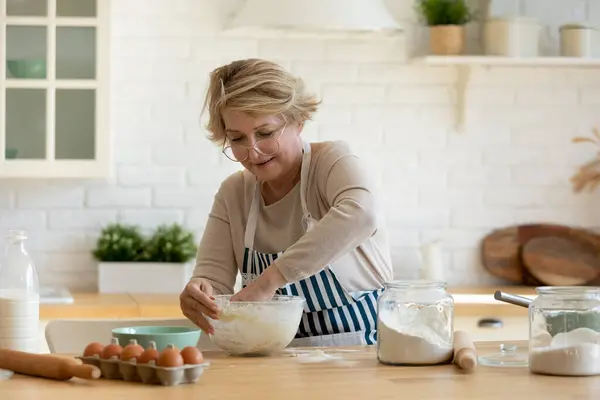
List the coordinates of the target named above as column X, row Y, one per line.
column 253, row 213
column 304, row 179
column 306, row 217
column 252, row 217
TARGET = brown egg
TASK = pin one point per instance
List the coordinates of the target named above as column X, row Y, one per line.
column 170, row 357
column 191, row 355
column 112, row 350
column 131, row 351
column 150, row 354
column 93, row 349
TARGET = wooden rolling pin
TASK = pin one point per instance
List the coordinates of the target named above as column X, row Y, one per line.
column 465, row 355
column 46, row 365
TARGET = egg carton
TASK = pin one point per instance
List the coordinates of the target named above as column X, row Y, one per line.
column 150, row 373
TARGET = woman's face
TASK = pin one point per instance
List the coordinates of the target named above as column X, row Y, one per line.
column 245, row 130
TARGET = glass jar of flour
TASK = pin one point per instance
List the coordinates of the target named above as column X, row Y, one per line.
column 415, row 323
column 564, row 331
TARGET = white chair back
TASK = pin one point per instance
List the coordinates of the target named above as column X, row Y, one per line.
column 70, row 336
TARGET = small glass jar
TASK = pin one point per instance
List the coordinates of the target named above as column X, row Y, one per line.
column 564, row 331
column 415, row 323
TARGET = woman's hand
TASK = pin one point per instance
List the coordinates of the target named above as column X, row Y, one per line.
column 255, row 291
column 263, row 287
column 196, row 301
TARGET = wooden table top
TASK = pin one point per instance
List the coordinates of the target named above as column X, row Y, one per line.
column 469, row 301
column 357, row 376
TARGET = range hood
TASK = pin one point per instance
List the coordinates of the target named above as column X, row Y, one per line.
column 353, row 16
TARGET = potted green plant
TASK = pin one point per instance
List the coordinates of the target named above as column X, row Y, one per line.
column 446, row 20
column 130, row 262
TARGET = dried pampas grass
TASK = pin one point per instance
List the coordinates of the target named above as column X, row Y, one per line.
column 588, row 175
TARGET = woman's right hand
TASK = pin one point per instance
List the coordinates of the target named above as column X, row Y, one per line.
column 196, row 301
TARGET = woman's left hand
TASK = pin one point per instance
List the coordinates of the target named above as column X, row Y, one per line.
column 263, row 287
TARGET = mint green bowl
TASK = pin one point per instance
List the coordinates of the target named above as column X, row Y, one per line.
column 26, row 69
column 179, row 336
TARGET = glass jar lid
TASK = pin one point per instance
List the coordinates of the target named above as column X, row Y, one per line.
column 509, row 355
column 5, row 374
column 415, row 284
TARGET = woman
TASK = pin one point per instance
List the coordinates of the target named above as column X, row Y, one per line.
column 300, row 219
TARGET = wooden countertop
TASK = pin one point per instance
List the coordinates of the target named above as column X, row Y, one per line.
column 101, row 305
column 469, row 301
column 359, row 377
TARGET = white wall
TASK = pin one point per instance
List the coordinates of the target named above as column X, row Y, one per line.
column 511, row 166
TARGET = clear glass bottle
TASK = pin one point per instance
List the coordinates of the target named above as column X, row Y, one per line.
column 19, row 296
column 564, row 331
column 415, row 323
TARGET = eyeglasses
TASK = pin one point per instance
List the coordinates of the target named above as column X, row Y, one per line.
column 266, row 147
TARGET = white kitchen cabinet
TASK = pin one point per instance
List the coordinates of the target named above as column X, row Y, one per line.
column 54, row 89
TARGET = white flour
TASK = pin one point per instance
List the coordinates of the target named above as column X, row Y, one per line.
column 314, row 356
column 405, row 343
column 575, row 353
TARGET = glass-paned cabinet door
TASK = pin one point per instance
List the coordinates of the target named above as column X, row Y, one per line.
column 54, row 88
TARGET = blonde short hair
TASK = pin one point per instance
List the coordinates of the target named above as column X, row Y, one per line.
column 256, row 87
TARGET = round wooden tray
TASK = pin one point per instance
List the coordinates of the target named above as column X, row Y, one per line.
column 561, row 261
column 543, row 254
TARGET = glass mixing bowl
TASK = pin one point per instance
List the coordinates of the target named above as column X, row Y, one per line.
column 256, row 328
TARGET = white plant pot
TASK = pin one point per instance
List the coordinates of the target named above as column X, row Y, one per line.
column 143, row 277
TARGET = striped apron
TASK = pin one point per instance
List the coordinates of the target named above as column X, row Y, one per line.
column 332, row 315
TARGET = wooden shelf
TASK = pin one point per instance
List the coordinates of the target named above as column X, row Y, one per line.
column 464, row 65
column 468, row 60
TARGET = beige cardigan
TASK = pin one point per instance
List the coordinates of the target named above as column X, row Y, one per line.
column 350, row 235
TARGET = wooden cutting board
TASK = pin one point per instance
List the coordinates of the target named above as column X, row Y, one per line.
column 501, row 253
column 562, row 261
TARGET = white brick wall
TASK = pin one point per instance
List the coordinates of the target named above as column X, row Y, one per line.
column 511, row 166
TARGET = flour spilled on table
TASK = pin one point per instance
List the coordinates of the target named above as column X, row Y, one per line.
column 406, row 341
column 315, row 356
column 575, row 353
column 331, row 356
